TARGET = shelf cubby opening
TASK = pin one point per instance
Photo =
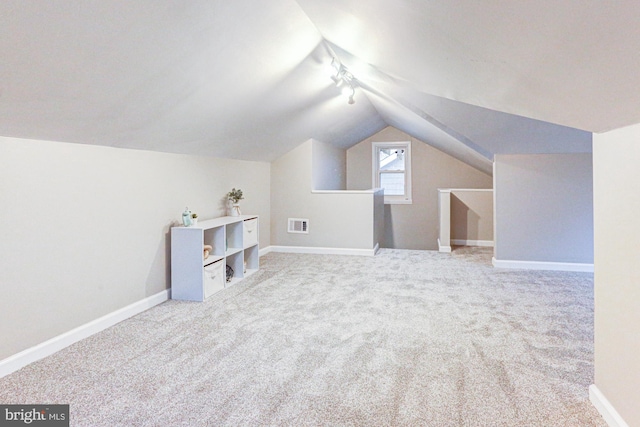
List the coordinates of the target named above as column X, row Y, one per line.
column 215, row 237
column 234, row 236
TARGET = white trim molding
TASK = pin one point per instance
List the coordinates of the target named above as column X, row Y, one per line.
column 55, row 344
column 370, row 191
column 543, row 265
column 324, row 251
column 264, row 251
column 484, row 243
column 405, row 146
column 605, row 408
column 442, row 248
column 451, row 190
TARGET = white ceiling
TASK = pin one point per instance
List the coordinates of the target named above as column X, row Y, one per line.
column 247, row 79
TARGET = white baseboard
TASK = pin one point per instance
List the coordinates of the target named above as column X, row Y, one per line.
column 264, row 251
column 443, row 248
column 312, row 250
column 605, row 408
column 541, row 265
column 55, row 344
column 324, row 251
column 484, row 243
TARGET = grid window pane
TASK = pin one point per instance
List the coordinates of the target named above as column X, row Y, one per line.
column 393, row 183
column 391, row 159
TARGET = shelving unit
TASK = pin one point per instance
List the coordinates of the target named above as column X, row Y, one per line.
column 234, row 240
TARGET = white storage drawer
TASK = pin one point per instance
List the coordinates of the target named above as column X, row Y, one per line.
column 250, row 233
column 214, row 278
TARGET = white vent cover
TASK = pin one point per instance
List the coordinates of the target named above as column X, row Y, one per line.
column 298, row 225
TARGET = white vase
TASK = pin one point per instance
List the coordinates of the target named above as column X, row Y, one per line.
column 235, row 210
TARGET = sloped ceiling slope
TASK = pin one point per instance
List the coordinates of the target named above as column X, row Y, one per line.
column 242, row 79
column 247, row 79
column 571, row 63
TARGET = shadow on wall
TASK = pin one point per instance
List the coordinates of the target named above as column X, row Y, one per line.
column 465, row 222
column 223, row 204
column 159, row 277
column 387, row 239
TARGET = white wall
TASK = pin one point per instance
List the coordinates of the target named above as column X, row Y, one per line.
column 616, row 160
column 413, row 226
column 85, row 228
column 544, row 208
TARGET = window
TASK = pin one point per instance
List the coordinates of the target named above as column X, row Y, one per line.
column 392, row 170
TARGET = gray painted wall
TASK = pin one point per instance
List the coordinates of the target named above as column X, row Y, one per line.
column 329, row 167
column 544, row 208
column 336, row 219
column 471, row 215
column 85, row 229
column 413, row 226
column 378, row 218
column 616, row 156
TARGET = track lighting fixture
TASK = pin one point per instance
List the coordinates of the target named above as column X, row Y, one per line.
column 349, row 91
column 341, row 76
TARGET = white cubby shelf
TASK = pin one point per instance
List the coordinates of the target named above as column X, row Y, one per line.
column 234, row 240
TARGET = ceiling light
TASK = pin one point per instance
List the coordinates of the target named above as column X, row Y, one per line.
column 349, row 91
column 333, row 70
column 341, row 76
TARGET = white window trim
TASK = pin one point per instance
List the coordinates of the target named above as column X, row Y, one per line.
column 405, row 199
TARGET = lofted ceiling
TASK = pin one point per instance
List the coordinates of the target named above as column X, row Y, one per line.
column 248, row 79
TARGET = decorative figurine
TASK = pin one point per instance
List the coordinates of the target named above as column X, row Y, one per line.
column 186, row 217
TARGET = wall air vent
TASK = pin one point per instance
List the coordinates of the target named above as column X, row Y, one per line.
column 298, row 225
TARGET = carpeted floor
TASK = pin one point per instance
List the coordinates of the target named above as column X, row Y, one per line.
column 406, row 338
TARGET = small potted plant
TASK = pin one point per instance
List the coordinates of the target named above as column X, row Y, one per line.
column 194, row 219
column 234, row 197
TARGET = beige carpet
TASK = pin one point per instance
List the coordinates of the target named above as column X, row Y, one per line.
column 406, row 338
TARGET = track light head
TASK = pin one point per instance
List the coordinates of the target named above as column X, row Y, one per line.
column 344, row 78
